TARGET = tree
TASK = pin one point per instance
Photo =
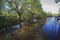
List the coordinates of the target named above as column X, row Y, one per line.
column 32, row 7
column 0, row 6
column 59, row 13
column 27, row 11
column 49, row 14
column 8, row 19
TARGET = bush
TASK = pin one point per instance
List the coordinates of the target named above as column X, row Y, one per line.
column 7, row 19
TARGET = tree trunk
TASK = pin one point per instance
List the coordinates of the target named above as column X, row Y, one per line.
column 20, row 21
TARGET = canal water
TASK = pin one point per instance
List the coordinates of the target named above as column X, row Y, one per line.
column 51, row 28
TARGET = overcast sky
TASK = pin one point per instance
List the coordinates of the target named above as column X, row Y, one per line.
column 50, row 6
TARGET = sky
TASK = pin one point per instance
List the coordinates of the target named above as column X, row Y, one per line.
column 50, row 6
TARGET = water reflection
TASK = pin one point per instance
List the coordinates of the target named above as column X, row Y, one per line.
column 50, row 29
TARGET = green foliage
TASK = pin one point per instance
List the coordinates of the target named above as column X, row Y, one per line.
column 49, row 14
column 0, row 2
column 28, row 10
column 32, row 9
column 27, row 16
column 7, row 19
column 0, row 6
column 58, row 15
column 35, row 7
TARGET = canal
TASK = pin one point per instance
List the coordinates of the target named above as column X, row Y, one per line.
column 51, row 28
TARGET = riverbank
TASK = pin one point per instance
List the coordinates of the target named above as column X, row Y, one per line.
column 31, row 31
